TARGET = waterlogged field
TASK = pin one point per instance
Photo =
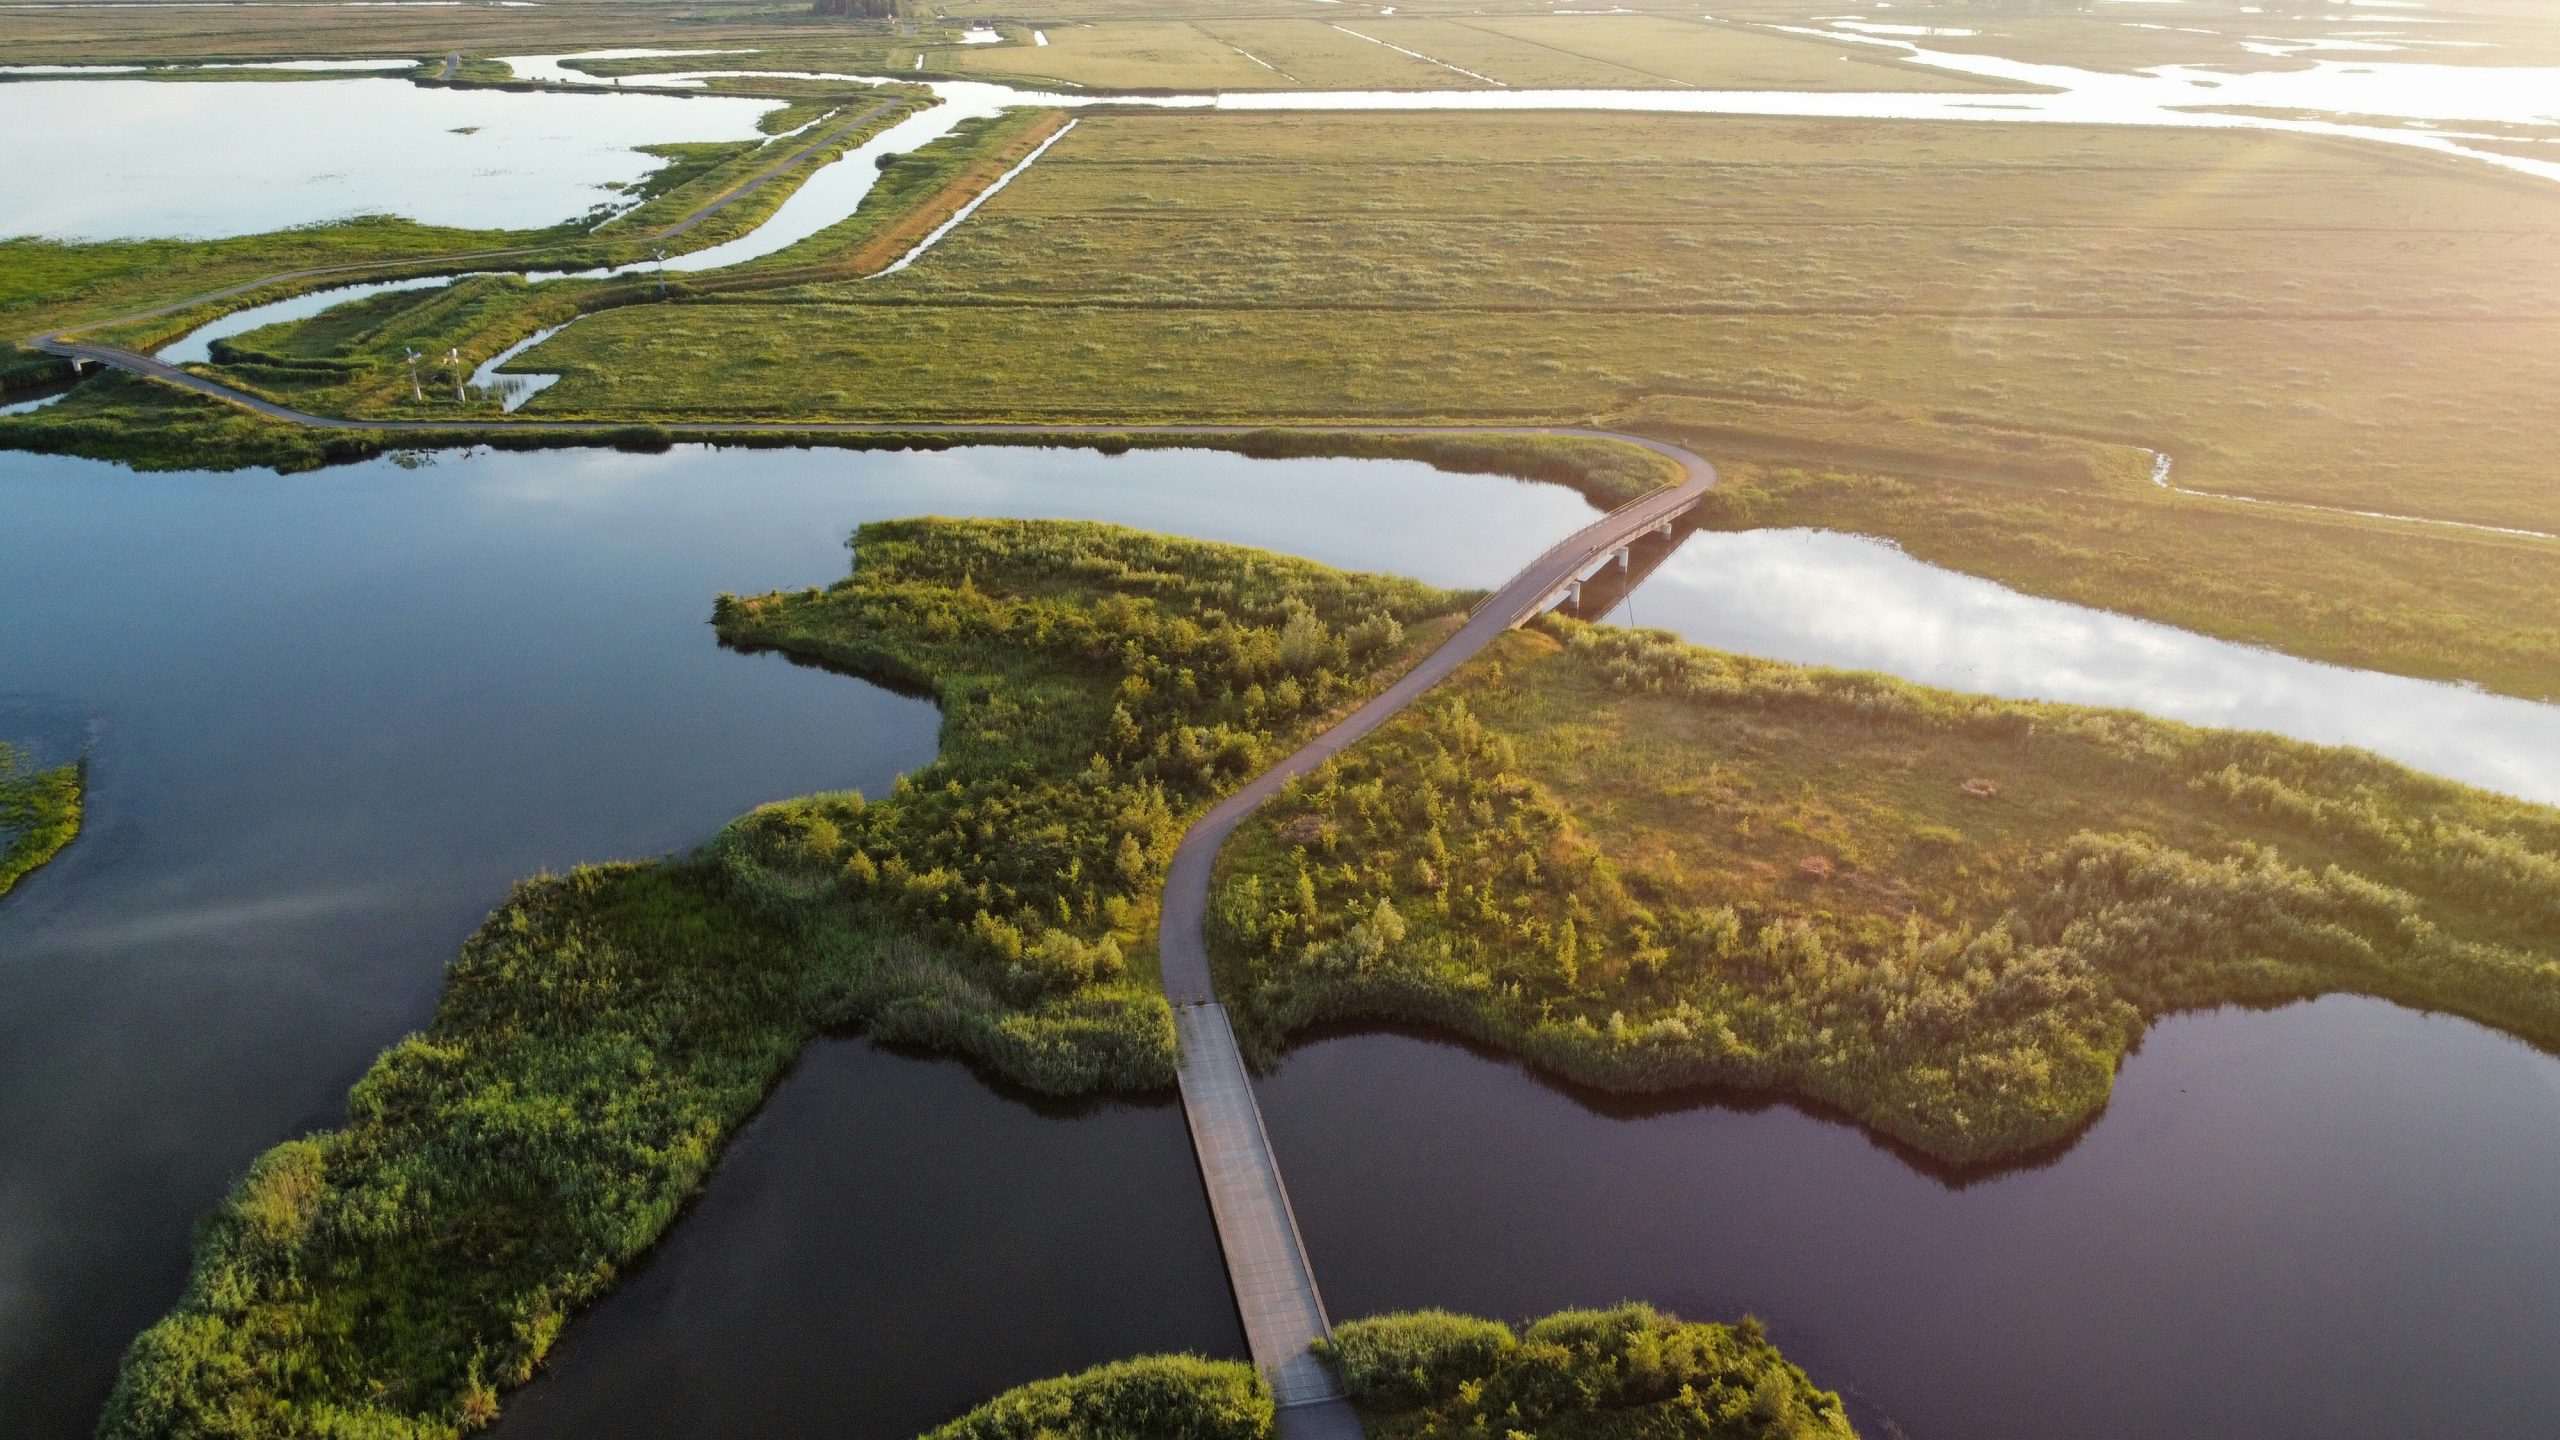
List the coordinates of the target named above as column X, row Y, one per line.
column 2020, row 314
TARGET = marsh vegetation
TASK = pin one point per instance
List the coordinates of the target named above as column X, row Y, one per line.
column 39, row 812
column 1631, row 1373
column 1648, row 866
column 605, row 1031
column 2037, row 306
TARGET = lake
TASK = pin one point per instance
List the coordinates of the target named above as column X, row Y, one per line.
column 333, row 716
column 337, row 715
column 153, row 158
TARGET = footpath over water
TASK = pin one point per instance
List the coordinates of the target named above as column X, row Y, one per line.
column 1275, row 1283
column 1267, row 1265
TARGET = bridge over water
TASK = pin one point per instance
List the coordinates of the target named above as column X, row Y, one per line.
column 1275, row 1285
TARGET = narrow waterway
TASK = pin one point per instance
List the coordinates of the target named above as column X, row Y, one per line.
column 1823, row 598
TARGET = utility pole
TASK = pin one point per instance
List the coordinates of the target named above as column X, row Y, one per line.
column 414, row 392
column 662, row 275
column 453, row 357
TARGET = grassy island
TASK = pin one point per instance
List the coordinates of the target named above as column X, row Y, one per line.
column 605, row 1031
column 39, row 813
column 1640, row 864
column 1630, row 1373
column 1647, row 866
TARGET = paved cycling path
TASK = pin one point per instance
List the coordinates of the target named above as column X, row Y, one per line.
column 1275, row 1286
column 1267, row 1263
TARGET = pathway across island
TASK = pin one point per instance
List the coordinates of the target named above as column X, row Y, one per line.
column 1275, row 1285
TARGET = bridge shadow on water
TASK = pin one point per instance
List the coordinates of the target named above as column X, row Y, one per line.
column 1605, row 589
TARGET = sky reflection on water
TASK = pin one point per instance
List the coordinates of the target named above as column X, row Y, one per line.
column 1824, row 598
column 206, row 159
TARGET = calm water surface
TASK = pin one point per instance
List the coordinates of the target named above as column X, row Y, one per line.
column 338, row 714
column 891, row 1242
column 335, row 715
column 2329, row 1222
column 168, row 158
column 1824, row 598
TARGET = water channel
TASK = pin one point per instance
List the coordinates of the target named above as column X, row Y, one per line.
column 333, row 716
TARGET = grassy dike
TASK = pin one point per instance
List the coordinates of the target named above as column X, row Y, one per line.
column 39, row 813
column 1631, row 1373
column 1647, row 866
column 605, row 1031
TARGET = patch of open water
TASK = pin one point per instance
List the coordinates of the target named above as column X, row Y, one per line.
column 155, row 158
column 1824, row 598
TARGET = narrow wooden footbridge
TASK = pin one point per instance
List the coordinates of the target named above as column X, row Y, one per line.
column 1275, row 1285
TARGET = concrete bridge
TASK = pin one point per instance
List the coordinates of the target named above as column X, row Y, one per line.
column 1275, row 1284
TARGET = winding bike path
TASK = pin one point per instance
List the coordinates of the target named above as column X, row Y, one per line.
column 1267, row 1265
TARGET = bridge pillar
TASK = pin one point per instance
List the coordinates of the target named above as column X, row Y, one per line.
column 1622, row 559
column 1573, row 593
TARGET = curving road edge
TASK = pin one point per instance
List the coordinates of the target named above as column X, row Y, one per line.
column 1267, row 1266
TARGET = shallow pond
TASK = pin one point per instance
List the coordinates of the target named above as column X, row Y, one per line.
column 891, row 1242
column 2326, row 1222
column 151, row 158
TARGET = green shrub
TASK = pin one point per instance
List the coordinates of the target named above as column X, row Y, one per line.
column 39, row 813
column 1578, row 1375
column 1160, row 1397
column 1600, row 862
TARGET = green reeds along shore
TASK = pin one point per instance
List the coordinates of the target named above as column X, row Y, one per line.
column 39, row 812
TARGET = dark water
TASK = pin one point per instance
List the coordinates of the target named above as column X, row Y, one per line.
column 890, row 1243
column 2328, row 1222
column 336, row 715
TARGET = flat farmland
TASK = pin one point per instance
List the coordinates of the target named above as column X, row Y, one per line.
column 1359, row 49
column 2286, row 317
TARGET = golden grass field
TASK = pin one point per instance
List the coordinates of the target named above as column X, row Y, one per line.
column 2287, row 317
